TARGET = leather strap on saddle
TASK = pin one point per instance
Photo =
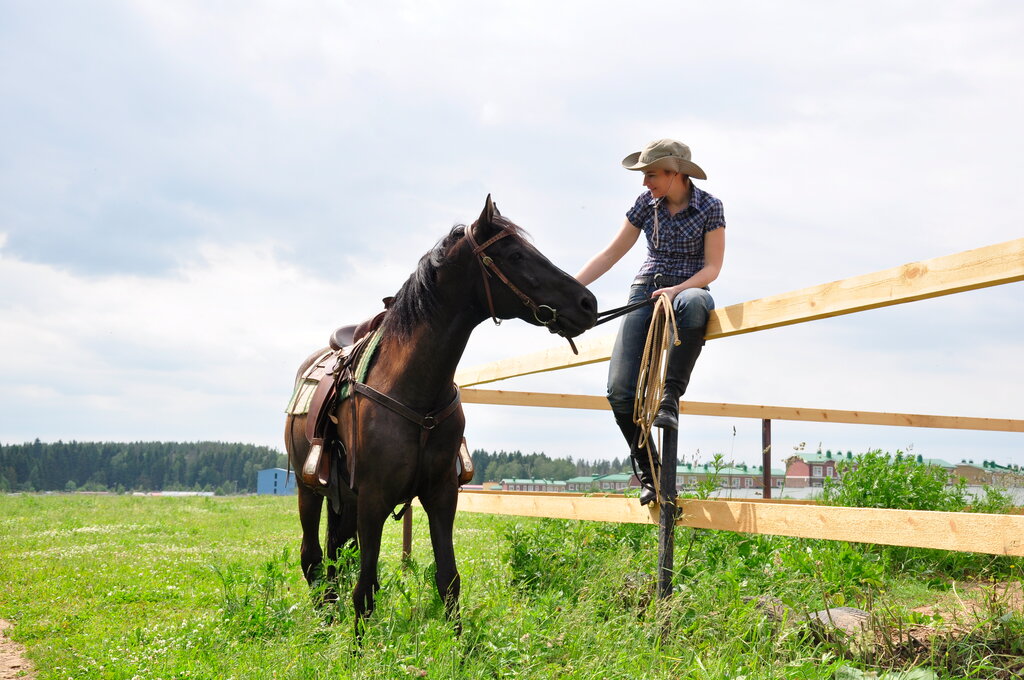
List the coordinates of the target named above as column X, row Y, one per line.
column 316, row 469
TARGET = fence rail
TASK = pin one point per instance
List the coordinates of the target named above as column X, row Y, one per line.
column 700, row 408
column 957, row 531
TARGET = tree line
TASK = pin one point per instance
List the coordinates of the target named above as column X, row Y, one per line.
column 493, row 467
column 134, row 466
column 221, row 467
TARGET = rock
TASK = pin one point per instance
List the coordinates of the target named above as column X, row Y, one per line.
column 847, row 619
column 849, row 673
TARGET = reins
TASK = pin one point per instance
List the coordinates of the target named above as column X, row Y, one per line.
column 616, row 312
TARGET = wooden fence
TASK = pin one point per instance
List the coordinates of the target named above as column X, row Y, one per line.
column 996, row 534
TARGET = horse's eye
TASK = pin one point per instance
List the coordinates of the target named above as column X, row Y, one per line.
column 515, row 257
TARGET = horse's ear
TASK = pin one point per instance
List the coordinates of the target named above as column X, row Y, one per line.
column 483, row 226
column 489, row 211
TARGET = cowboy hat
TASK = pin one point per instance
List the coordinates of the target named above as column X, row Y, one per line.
column 665, row 152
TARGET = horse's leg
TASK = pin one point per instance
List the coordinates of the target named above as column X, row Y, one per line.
column 440, row 507
column 341, row 530
column 370, row 525
column 310, row 504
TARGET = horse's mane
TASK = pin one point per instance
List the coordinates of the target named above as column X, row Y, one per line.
column 416, row 300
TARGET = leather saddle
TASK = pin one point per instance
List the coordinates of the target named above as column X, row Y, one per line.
column 318, row 472
column 346, row 336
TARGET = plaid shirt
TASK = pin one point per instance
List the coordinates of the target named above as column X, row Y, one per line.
column 680, row 250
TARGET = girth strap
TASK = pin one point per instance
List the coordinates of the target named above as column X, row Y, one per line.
column 426, row 423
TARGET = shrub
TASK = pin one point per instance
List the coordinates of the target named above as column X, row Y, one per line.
column 876, row 480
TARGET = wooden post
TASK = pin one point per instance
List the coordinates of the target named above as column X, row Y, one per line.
column 766, row 457
column 666, row 532
column 407, row 534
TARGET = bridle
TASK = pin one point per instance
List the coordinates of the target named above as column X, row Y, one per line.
column 487, row 263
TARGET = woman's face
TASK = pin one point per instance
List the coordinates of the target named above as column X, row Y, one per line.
column 658, row 181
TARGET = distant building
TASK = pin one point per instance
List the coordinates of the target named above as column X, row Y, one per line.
column 179, row 494
column 812, row 469
column 989, row 472
column 584, row 483
column 743, row 476
column 275, row 482
column 543, row 485
column 617, row 481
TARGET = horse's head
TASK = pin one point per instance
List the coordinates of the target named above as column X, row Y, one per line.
column 519, row 282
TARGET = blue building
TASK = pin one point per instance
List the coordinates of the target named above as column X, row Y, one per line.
column 275, row 481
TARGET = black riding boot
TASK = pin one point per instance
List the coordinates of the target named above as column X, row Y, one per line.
column 641, row 463
column 677, row 375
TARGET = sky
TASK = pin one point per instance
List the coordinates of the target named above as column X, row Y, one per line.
column 193, row 195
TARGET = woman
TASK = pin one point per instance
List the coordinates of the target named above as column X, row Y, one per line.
column 684, row 226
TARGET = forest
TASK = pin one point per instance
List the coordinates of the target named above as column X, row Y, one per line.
column 222, row 467
column 134, row 466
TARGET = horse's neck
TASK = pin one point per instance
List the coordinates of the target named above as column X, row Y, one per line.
column 421, row 368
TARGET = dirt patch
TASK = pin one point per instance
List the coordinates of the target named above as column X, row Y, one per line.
column 13, row 664
column 970, row 602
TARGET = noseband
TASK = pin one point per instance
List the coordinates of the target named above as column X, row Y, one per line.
column 545, row 315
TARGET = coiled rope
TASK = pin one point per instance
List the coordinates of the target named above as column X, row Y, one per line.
column 650, row 381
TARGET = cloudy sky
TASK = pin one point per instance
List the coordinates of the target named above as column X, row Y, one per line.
column 194, row 194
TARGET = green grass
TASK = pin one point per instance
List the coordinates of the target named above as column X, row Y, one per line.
column 129, row 587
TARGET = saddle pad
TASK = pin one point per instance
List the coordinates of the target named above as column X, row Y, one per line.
column 363, row 363
column 306, row 384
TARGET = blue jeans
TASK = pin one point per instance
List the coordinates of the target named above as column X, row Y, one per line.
column 692, row 307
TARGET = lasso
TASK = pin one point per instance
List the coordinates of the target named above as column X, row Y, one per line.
column 650, row 382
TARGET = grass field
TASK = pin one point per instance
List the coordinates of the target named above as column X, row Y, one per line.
column 148, row 587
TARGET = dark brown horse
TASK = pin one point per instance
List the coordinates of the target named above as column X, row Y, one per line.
column 487, row 269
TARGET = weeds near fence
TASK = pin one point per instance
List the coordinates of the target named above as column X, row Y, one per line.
column 880, row 480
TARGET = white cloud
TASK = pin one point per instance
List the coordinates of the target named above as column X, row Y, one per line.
column 278, row 168
column 208, row 352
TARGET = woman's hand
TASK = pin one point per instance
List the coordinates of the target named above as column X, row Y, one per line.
column 671, row 292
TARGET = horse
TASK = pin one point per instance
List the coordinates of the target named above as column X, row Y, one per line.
column 486, row 269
